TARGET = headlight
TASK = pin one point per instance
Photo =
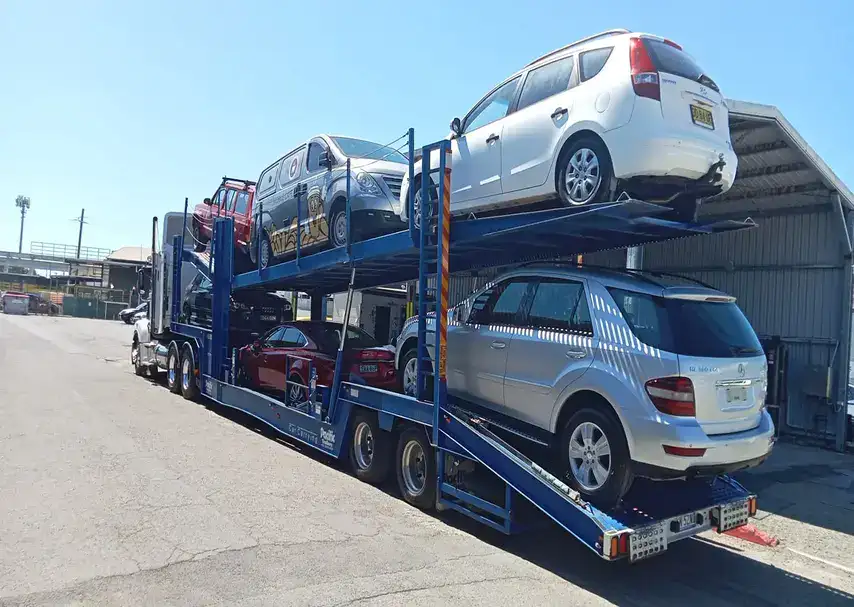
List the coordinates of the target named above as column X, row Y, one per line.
column 367, row 183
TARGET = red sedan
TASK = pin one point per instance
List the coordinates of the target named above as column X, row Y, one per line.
column 289, row 347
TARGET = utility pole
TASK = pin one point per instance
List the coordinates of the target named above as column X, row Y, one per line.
column 23, row 203
column 80, row 233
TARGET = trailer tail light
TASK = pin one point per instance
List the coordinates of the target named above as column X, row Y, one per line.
column 645, row 78
column 672, row 395
column 684, row 451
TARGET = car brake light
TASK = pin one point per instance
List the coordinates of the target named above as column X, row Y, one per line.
column 684, row 451
column 645, row 79
column 672, row 395
column 673, row 44
column 376, row 355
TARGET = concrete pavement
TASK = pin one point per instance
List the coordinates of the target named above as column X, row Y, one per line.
column 116, row 492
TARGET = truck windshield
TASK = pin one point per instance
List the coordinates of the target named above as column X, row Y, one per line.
column 359, row 148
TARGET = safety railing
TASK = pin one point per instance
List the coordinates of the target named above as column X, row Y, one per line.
column 298, row 395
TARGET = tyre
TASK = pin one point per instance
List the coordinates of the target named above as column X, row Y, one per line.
column 370, row 448
column 415, row 465
column 584, row 173
column 595, row 456
column 409, row 377
column 199, row 242
column 432, row 195
column 138, row 368
column 266, row 250
column 338, row 228
column 173, row 370
column 189, row 381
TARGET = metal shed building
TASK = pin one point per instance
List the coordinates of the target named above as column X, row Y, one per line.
column 792, row 274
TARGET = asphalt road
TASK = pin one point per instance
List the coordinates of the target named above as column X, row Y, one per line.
column 116, row 492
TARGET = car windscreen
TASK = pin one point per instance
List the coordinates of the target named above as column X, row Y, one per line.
column 688, row 327
column 328, row 337
column 671, row 60
column 359, row 148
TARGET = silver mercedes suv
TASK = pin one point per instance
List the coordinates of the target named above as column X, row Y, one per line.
column 623, row 373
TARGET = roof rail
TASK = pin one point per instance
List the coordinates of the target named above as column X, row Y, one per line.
column 605, row 34
column 245, row 182
column 646, row 275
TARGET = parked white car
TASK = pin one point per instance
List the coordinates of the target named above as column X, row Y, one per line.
column 615, row 112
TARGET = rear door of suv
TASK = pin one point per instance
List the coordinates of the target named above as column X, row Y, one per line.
column 555, row 348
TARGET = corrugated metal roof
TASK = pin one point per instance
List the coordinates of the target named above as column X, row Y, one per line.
column 776, row 166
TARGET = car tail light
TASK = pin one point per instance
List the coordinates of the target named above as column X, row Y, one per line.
column 684, row 451
column 672, row 395
column 644, row 74
column 376, row 355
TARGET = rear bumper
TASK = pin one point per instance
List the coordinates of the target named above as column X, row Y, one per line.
column 723, row 452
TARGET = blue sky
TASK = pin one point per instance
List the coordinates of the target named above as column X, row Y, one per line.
column 126, row 108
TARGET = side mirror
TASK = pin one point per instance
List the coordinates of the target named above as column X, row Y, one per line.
column 325, row 159
column 456, row 127
column 207, row 201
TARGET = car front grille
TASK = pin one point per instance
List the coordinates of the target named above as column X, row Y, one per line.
column 393, row 183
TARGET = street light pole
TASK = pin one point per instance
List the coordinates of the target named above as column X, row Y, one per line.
column 23, row 203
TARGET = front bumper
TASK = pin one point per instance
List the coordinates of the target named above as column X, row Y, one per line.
column 723, row 453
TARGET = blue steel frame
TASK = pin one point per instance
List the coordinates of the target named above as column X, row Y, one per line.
column 453, row 433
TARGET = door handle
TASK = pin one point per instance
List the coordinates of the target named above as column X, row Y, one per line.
column 498, row 345
column 576, row 353
column 558, row 113
column 492, row 138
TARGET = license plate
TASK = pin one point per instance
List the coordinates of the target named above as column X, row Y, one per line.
column 686, row 521
column 702, row 117
column 368, row 368
column 268, row 318
column 736, row 395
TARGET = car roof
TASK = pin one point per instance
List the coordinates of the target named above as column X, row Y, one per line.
column 640, row 281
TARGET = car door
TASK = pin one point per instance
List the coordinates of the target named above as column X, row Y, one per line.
column 477, row 349
column 313, row 203
column 289, row 358
column 257, row 364
column 555, row 349
column 532, row 133
column 204, row 301
column 476, row 151
column 240, row 212
column 285, row 217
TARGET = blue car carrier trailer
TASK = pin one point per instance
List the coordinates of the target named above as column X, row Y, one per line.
column 434, row 447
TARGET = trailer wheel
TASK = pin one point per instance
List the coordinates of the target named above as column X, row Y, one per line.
column 173, row 370
column 595, row 456
column 370, row 448
column 416, row 468
column 189, row 381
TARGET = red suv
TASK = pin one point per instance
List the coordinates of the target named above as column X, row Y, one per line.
column 233, row 198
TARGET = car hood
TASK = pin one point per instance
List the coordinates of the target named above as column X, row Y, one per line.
column 378, row 166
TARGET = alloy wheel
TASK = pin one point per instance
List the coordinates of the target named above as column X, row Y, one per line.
column 583, row 176
column 589, row 456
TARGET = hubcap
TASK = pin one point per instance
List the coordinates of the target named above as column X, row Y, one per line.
column 414, row 468
column 363, row 445
column 589, row 456
column 339, row 229
column 173, row 364
column 416, row 208
column 410, row 376
column 185, row 374
column 583, row 176
column 134, row 354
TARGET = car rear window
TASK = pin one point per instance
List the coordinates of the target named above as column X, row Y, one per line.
column 328, row 339
column 689, row 328
column 671, row 60
column 592, row 62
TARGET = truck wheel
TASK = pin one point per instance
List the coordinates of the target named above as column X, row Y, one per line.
column 173, row 370
column 416, row 468
column 189, row 381
column 138, row 368
column 370, row 448
column 595, row 456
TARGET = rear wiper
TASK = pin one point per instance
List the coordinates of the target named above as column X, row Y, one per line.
column 743, row 350
column 706, row 81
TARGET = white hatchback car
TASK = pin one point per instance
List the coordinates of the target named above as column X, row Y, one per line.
column 615, row 112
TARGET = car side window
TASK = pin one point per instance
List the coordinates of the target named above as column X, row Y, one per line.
column 229, row 202
column 293, row 338
column 205, row 285
column 291, row 167
column 543, row 82
column 242, row 204
column 312, row 162
column 274, row 339
column 493, row 108
column 560, row 305
column 592, row 62
column 267, row 181
column 500, row 304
